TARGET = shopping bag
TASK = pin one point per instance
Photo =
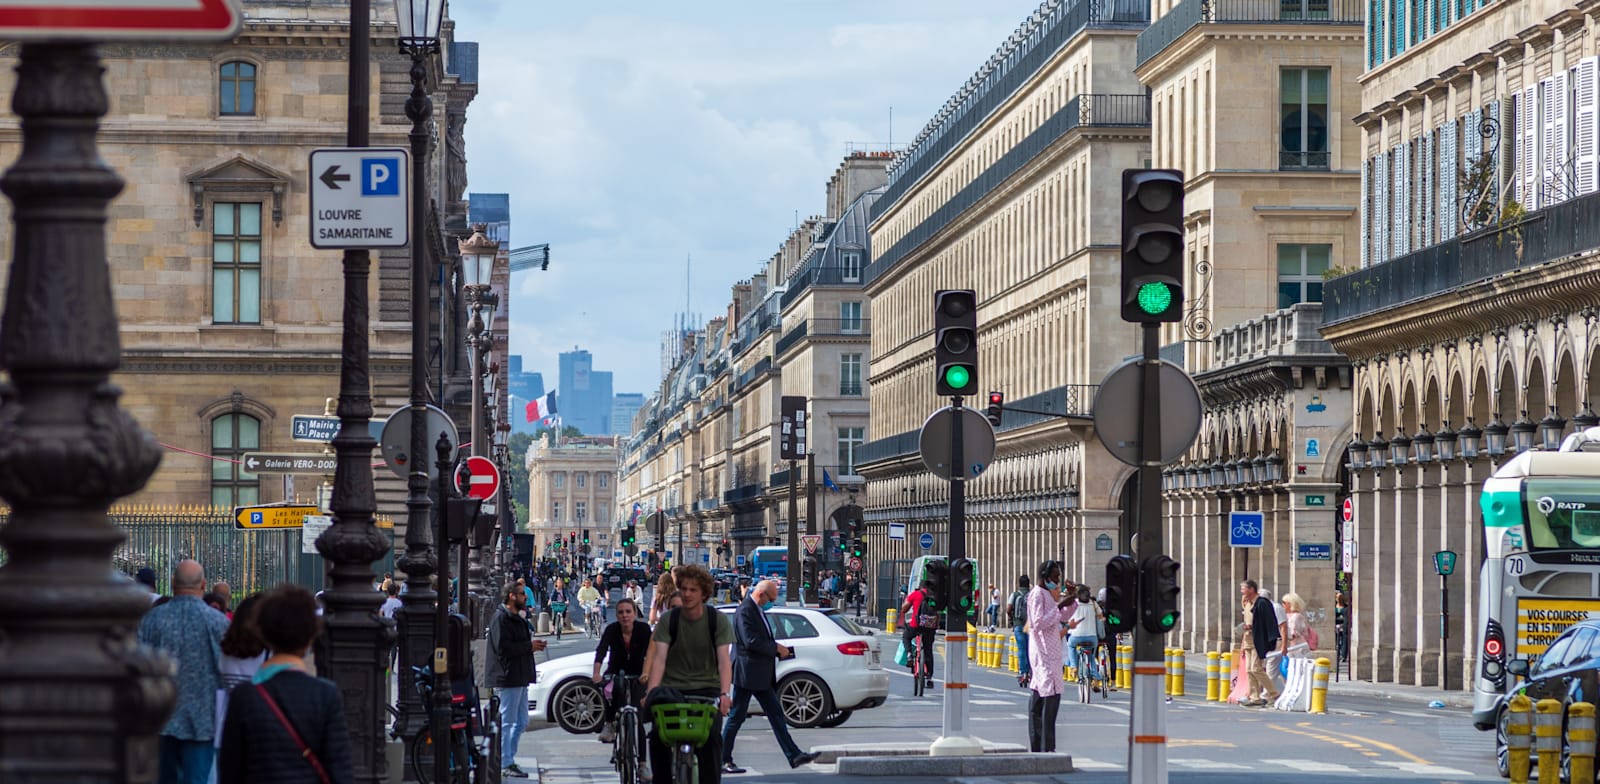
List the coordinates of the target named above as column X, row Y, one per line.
column 902, row 655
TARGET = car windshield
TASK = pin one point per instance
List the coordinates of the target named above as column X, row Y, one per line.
column 847, row 624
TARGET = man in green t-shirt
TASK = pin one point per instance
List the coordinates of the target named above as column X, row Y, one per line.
column 689, row 652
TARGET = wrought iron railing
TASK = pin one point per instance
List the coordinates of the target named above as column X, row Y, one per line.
column 1083, row 110
column 748, row 377
column 1545, row 235
column 742, row 493
column 819, row 276
column 790, row 338
column 1188, row 14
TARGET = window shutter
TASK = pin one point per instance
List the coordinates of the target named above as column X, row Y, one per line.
column 1528, row 148
column 1555, row 139
column 1449, row 170
column 1380, row 208
column 1584, row 129
column 1427, row 168
column 1397, row 232
column 1366, row 209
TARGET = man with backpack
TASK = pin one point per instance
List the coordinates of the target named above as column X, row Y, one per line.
column 920, row 626
column 689, row 653
column 1017, row 611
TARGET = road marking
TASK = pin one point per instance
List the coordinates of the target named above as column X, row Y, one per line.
column 1308, row 766
column 1088, row 764
column 1208, row 742
column 1389, row 747
column 1426, row 770
column 993, row 702
column 1205, row 764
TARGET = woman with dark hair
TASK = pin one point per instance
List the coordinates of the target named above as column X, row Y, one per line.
column 623, row 647
column 242, row 655
column 1050, row 604
column 286, row 726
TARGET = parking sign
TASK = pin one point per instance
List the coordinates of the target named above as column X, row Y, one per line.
column 360, row 197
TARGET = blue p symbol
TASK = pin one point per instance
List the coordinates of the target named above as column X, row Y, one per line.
column 256, row 517
column 379, row 177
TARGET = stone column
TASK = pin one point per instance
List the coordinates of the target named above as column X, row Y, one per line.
column 1404, row 581
column 1428, row 537
column 1313, row 579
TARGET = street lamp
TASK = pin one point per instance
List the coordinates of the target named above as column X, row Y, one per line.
column 1219, row 474
column 1258, row 468
column 1230, row 472
column 1469, row 437
column 1358, row 453
column 1377, row 451
column 1550, row 430
column 418, row 36
column 1494, row 437
column 1444, row 442
column 1522, row 432
column 1422, row 445
column 1275, row 467
column 1400, row 449
column 1584, row 419
column 478, row 253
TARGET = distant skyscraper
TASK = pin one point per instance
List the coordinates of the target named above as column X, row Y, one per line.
column 583, row 395
column 623, row 406
column 672, row 340
column 524, row 387
column 493, row 210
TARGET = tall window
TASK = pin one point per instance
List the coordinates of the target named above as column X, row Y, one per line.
column 605, row 480
column 1302, row 9
column 850, row 441
column 236, row 86
column 581, row 479
column 558, row 480
column 850, row 374
column 1300, row 269
column 236, row 263
column 602, row 513
column 580, row 511
column 231, row 436
column 555, row 512
column 1304, row 128
column 850, row 266
column 849, row 317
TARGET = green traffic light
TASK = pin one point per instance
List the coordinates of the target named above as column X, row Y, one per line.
column 1155, row 298
column 1169, row 620
column 957, row 377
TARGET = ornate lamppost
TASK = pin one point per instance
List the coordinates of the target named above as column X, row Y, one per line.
column 478, row 253
column 419, row 24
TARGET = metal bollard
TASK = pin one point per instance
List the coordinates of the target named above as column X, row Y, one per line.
column 972, row 648
column 1212, row 670
column 1125, row 669
column 1180, row 668
column 1224, row 675
column 888, row 620
column 1519, row 737
column 1580, row 741
column 1547, row 739
column 1168, row 683
column 1319, row 685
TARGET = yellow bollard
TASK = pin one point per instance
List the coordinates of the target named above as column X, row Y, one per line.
column 1168, row 688
column 1580, row 741
column 1013, row 656
column 1519, row 737
column 1180, row 667
column 888, row 621
column 1212, row 669
column 1224, row 675
column 1547, row 739
column 1125, row 666
column 1319, row 685
column 986, row 649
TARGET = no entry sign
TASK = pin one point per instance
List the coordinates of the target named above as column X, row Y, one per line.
column 101, row 20
column 485, row 480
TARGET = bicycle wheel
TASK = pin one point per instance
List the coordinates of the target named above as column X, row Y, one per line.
column 683, row 763
column 627, row 750
column 918, row 684
column 421, row 750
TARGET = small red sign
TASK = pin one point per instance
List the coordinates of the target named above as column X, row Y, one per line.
column 485, row 479
column 120, row 19
column 1347, row 510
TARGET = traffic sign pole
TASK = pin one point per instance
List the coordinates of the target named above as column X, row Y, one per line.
column 1147, row 722
column 953, row 739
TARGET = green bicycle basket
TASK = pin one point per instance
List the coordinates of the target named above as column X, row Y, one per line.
column 684, row 722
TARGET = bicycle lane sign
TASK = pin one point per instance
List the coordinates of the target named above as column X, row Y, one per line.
column 1245, row 529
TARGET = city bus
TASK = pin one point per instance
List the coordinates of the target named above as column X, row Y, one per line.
column 770, row 561
column 1541, row 570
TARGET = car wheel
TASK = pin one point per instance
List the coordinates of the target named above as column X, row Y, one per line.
column 834, row 719
column 1502, row 754
column 805, row 700
column 578, row 706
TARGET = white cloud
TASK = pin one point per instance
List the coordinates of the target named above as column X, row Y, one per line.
column 631, row 138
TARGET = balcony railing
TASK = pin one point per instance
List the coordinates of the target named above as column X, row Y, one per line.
column 748, row 377
column 818, row 276
column 1544, row 235
column 742, row 493
column 1291, row 331
column 833, row 326
column 1189, row 14
column 1083, row 110
column 850, row 390
column 707, row 504
column 888, row 448
column 790, row 338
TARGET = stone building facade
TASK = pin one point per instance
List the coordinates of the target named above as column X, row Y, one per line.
column 572, row 491
column 231, row 322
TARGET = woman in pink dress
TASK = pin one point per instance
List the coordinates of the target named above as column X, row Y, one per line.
column 1048, row 612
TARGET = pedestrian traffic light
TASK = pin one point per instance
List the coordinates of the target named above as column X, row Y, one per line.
column 964, row 591
column 1122, row 591
column 937, row 574
column 1158, row 594
column 1152, row 245
column 955, row 335
column 997, row 401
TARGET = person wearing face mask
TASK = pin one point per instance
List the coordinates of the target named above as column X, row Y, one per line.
column 1051, row 604
column 755, row 674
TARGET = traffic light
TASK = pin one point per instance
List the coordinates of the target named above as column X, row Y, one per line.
column 629, row 536
column 955, row 335
column 1152, row 245
column 585, row 536
column 808, row 574
column 937, row 599
column 1158, row 594
column 858, row 549
column 1122, row 592
column 964, row 592
column 996, row 401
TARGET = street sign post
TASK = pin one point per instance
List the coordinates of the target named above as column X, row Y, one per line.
column 289, row 463
column 102, row 20
column 485, row 481
column 313, row 528
column 897, row 531
column 811, row 541
column 855, row 564
column 1117, row 417
column 1347, row 510
column 925, row 541
column 256, row 518
column 395, row 443
column 977, row 441
column 1245, row 529
column 310, row 427
column 360, row 197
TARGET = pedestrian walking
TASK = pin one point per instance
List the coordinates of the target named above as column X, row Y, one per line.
column 508, row 669
column 243, row 653
column 287, row 726
column 1299, row 639
column 1050, row 604
column 993, row 610
column 190, row 632
column 147, row 578
column 689, row 653
column 1261, row 629
column 391, row 601
column 755, row 674
column 1017, row 612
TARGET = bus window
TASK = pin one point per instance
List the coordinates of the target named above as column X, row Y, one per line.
column 1563, row 514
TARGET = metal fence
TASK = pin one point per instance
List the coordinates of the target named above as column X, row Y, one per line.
column 159, row 537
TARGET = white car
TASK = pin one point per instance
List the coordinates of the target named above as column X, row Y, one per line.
column 836, row 670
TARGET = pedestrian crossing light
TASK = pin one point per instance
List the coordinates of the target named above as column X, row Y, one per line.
column 1158, row 594
column 1122, row 588
column 1152, row 245
column 964, row 592
column 955, row 348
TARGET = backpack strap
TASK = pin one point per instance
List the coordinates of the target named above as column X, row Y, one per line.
column 711, row 627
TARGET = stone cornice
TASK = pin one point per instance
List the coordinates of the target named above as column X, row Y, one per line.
column 1264, row 377
column 139, row 361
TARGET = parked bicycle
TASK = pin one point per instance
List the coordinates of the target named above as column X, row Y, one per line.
column 467, row 752
column 685, row 726
column 629, row 750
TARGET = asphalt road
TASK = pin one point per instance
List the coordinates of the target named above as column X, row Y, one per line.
column 1359, row 739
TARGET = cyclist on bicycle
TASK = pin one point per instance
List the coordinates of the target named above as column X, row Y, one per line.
column 1083, row 633
column 508, row 669
column 689, row 653
column 623, row 647
column 919, row 626
column 588, row 596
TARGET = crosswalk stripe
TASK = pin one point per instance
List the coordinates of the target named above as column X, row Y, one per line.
column 1425, row 770
column 1205, row 764
column 1308, row 766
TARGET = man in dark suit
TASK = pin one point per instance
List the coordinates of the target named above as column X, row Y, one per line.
column 755, row 674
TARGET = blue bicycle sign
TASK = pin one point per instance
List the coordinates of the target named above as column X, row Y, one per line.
column 1245, row 529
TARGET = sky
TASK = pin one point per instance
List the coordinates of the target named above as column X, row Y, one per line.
column 637, row 134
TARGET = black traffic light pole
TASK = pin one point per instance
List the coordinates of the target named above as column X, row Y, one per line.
column 953, row 737
column 1147, row 751
column 791, row 591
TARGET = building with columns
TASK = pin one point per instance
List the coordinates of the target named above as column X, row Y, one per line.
column 572, row 490
column 1471, row 325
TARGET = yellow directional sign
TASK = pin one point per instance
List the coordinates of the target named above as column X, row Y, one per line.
column 251, row 518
